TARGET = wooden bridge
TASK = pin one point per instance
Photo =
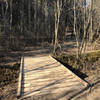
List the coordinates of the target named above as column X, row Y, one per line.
column 44, row 78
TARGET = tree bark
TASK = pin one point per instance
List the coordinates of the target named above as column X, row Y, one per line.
column 57, row 16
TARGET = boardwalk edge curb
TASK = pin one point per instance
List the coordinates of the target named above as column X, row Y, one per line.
column 82, row 81
column 20, row 79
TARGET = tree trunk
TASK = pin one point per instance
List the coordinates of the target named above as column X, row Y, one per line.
column 57, row 16
column 11, row 14
column 76, row 35
column 35, row 15
column 29, row 16
column 4, row 18
column 22, row 15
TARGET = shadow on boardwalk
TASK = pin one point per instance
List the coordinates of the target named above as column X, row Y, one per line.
column 46, row 79
column 37, row 52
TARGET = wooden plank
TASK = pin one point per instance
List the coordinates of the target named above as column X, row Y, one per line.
column 78, row 78
column 48, row 78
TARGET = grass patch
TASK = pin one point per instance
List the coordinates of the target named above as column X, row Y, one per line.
column 87, row 61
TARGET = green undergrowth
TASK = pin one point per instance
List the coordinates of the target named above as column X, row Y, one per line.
column 86, row 61
column 8, row 74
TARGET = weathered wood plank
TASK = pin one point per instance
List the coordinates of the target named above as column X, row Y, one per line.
column 45, row 76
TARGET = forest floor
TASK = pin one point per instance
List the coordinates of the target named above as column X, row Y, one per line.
column 9, row 69
column 9, row 72
column 10, row 63
column 89, row 70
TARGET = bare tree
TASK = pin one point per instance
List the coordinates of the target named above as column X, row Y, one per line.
column 4, row 14
column 10, row 38
column 22, row 15
column 11, row 14
column 46, row 14
column 35, row 14
column 29, row 15
column 91, row 20
column 58, row 8
column 76, row 35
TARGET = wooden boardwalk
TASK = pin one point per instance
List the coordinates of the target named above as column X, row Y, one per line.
column 44, row 78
